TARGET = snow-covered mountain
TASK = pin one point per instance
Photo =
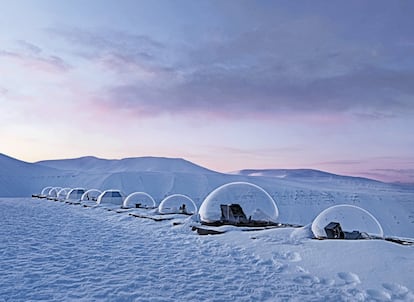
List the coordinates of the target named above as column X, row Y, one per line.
column 157, row 176
column 13, row 167
column 134, row 164
column 304, row 174
column 19, row 178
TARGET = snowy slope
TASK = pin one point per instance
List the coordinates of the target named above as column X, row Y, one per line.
column 51, row 251
column 14, row 167
column 19, row 178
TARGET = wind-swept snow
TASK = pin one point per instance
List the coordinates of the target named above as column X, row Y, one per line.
column 53, row 251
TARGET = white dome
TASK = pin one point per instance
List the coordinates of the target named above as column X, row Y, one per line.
column 177, row 204
column 139, row 200
column 76, row 193
column 63, row 193
column 351, row 218
column 111, row 197
column 54, row 192
column 46, row 190
column 91, row 195
column 224, row 203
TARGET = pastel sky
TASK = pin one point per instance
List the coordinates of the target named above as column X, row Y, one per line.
column 226, row 84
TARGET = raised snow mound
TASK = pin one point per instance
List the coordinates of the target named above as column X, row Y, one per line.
column 177, row 204
column 351, row 220
column 238, row 203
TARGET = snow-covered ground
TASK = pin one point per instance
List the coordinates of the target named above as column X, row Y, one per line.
column 52, row 251
column 55, row 251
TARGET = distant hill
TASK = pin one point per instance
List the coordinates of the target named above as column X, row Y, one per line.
column 10, row 166
column 19, row 178
column 304, row 174
column 157, row 176
column 133, row 164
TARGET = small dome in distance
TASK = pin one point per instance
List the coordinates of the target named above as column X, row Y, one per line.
column 177, row 204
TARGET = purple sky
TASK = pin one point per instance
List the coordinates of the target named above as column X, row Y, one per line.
column 226, row 84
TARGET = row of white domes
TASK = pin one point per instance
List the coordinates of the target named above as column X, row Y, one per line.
column 254, row 202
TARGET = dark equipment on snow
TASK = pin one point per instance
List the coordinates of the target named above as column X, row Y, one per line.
column 183, row 209
column 232, row 213
column 356, row 235
column 334, row 231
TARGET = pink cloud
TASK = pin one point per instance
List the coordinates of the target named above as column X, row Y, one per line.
column 48, row 64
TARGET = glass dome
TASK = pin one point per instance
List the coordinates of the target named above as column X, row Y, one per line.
column 346, row 222
column 177, row 204
column 91, row 195
column 45, row 191
column 239, row 203
column 53, row 193
column 139, row 200
column 111, row 197
column 63, row 193
column 76, row 194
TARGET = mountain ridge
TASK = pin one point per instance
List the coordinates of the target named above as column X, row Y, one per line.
column 160, row 176
column 310, row 174
column 95, row 164
column 128, row 164
column 13, row 166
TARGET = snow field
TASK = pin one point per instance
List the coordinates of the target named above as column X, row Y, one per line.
column 52, row 251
